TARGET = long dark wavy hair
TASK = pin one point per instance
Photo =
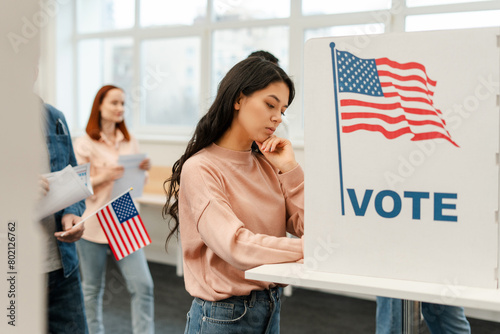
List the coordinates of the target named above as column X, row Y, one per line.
column 246, row 77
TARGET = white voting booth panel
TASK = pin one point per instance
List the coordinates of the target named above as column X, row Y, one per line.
column 401, row 165
column 450, row 233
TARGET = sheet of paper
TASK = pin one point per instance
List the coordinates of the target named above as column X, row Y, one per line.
column 133, row 176
column 83, row 172
column 68, row 186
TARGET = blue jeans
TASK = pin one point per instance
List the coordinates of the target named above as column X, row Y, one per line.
column 134, row 269
column 66, row 310
column 441, row 319
column 256, row 313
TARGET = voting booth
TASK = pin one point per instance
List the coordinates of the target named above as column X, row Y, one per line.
column 401, row 168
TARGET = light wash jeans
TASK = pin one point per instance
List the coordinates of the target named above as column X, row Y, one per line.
column 134, row 269
column 441, row 319
column 257, row 313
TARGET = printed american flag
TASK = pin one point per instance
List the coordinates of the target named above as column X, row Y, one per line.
column 123, row 226
column 385, row 96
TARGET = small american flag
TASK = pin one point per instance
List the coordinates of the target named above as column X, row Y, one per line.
column 385, row 96
column 123, row 226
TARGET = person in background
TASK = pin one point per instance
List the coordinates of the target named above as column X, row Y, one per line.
column 66, row 311
column 440, row 319
column 266, row 55
column 233, row 195
column 106, row 139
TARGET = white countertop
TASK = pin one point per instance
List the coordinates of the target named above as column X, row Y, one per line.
column 450, row 294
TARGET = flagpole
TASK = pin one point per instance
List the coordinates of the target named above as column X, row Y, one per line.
column 114, row 199
column 335, row 86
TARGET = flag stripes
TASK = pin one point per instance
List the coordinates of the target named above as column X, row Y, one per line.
column 408, row 90
column 406, row 66
column 390, row 120
column 382, row 95
column 125, row 236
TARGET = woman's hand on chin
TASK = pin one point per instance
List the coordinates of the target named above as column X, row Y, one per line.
column 279, row 152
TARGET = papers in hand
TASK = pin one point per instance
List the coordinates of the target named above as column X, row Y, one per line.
column 66, row 187
column 133, row 176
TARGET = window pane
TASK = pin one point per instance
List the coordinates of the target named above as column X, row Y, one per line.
column 170, row 72
column 453, row 20
column 233, row 45
column 360, row 29
column 100, row 62
column 99, row 15
column 172, row 12
column 238, row 10
column 419, row 3
column 319, row 7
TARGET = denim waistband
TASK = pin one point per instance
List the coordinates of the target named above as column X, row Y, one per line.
column 271, row 294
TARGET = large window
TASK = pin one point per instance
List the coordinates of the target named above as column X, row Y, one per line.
column 241, row 10
column 229, row 46
column 319, row 7
column 102, row 61
column 172, row 12
column 169, row 56
column 420, row 3
column 460, row 20
column 170, row 73
column 104, row 15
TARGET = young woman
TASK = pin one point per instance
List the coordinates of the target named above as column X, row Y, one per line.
column 107, row 137
column 233, row 204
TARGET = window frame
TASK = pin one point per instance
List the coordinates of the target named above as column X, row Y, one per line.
column 67, row 39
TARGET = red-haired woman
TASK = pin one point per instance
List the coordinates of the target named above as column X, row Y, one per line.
column 107, row 138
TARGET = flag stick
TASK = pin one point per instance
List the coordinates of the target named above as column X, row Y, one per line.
column 114, row 199
column 337, row 106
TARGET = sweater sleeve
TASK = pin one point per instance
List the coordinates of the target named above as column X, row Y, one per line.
column 222, row 231
column 292, row 184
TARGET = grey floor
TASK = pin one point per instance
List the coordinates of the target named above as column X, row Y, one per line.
column 304, row 312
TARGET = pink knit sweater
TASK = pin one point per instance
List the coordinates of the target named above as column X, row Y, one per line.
column 234, row 211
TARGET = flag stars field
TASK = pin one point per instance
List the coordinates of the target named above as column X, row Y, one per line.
column 123, row 226
column 385, row 96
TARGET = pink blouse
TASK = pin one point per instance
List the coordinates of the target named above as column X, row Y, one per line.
column 101, row 154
